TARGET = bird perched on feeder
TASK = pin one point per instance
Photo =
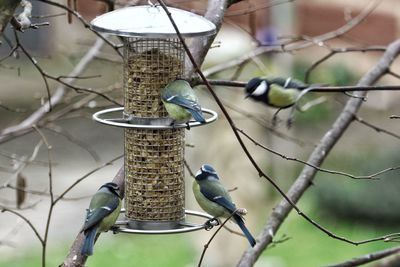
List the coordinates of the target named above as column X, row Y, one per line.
column 279, row 93
column 215, row 199
column 181, row 102
column 103, row 212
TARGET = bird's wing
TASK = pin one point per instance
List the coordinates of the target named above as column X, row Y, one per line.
column 105, row 204
column 219, row 196
column 182, row 101
column 289, row 83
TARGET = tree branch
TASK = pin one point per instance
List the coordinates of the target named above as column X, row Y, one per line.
column 215, row 13
column 368, row 258
column 57, row 97
column 303, row 181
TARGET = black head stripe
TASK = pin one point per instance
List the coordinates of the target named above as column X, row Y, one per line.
column 113, row 187
column 252, row 85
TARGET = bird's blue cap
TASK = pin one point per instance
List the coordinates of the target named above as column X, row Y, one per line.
column 208, row 169
column 205, row 172
column 113, row 187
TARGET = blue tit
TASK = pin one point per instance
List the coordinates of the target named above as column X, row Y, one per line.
column 181, row 102
column 278, row 93
column 103, row 212
column 215, row 199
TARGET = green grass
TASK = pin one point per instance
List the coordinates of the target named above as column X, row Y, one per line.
column 310, row 247
column 307, row 247
column 119, row 250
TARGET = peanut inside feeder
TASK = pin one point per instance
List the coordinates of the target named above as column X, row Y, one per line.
column 154, row 168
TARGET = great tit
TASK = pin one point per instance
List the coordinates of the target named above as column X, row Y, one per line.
column 279, row 93
column 215, row 199
column 181, row 102
column 103, row 212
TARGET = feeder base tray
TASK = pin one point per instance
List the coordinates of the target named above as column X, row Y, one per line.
column 153, row 227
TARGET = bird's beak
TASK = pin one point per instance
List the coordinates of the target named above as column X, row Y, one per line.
column 246, row 96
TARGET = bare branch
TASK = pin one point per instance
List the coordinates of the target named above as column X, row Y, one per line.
column 84, row 177
column 213, row 236
column 299, row 44
column 327, row 142
column 376, row 128
column 287, row 199
column 254, row 8
column 357, row 177
column 57, row 96
column 215, row 13
column 50, row 212
column 84, row 22
column 368, row 258
column 3, row 209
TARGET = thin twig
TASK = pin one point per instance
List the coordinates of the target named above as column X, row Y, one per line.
column 334, row 51
column 26, row 124
column 376, row 128
column 3, row 209
column 319, row 89
column 84, row 22
column 303, row 181
column 50, row 212
column 243, row 146
column 84, row 177
column 362, row 177
column 298, row 45
column 367, row 258
column 213, row 236
column 191, row 173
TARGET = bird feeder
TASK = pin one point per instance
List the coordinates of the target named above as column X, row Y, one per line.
column 154, row 149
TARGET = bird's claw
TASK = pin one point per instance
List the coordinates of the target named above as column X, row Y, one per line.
column 187, row 126
column 115, row 229
column 289, row 122
column 208, row 225
column 275, row 120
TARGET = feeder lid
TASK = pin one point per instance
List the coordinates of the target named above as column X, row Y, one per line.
column 152, row 21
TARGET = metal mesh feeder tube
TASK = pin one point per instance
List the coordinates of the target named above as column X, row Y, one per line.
column 154, row 156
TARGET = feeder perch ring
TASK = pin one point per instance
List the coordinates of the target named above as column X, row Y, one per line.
column 148, row 123
column 182, row 227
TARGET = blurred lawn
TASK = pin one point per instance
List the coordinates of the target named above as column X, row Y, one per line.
column 306, row 247
column 119, row 250
column 310, row 247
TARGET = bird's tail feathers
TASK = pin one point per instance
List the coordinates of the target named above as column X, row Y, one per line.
column 198, row 116
column 245, row 231
column 87, row 247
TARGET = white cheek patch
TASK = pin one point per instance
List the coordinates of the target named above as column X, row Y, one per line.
column 261, row 89
column 198, row 173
